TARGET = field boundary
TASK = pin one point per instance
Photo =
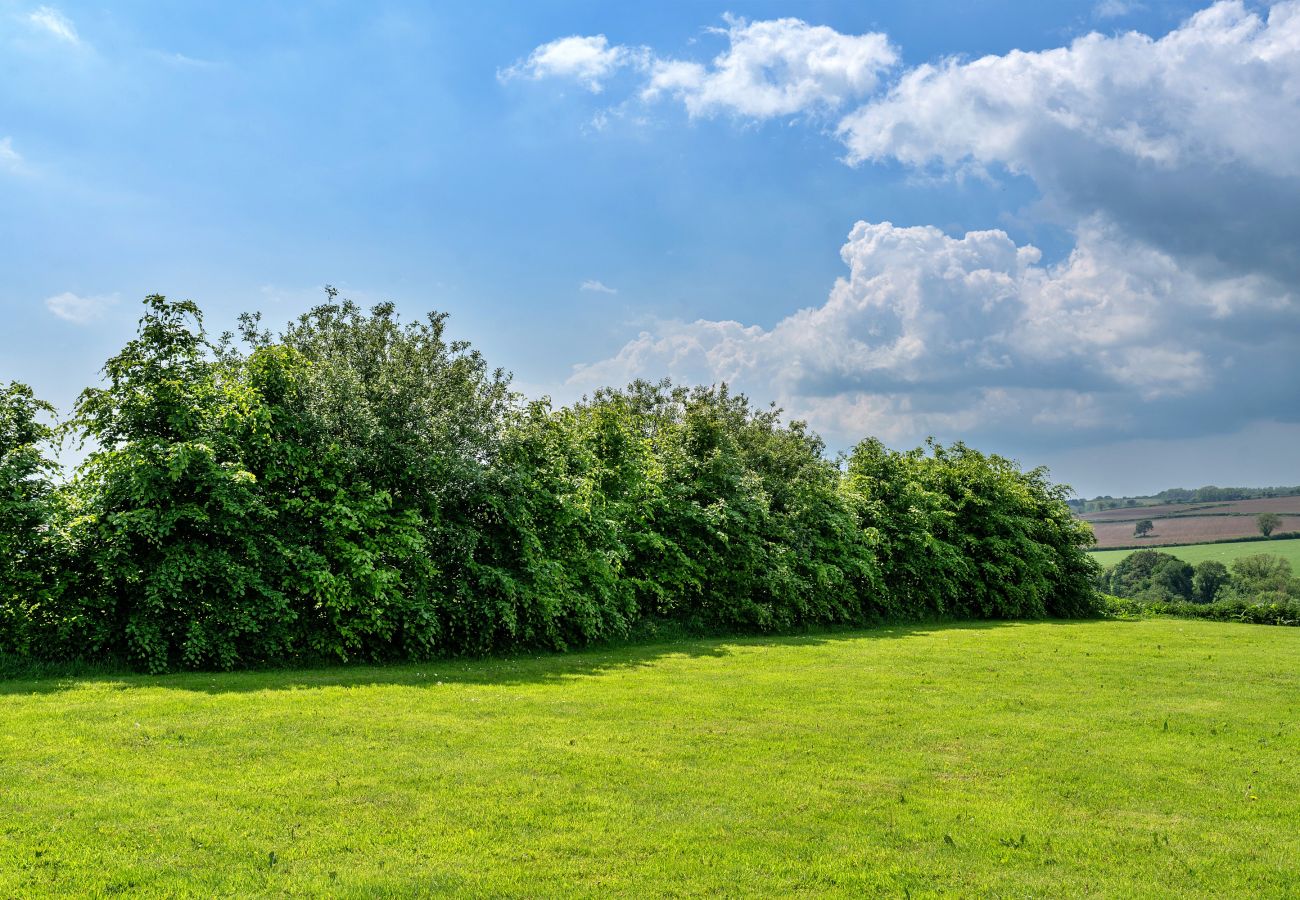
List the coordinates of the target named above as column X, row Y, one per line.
column 1252, row 539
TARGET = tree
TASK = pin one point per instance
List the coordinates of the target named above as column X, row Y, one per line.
column 1268, row 522
column 1261, row 572
column 28, row 562
column 1143, row 528
column 1149, row 574
column 1207, row 578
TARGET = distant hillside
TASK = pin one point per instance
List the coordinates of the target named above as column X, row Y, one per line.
column 1193, row 523
column 1208, row 494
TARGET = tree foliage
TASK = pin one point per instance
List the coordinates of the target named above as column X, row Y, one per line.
column 1161, row 578
column 357, row 487
column 29, row 549
column 1268, row 522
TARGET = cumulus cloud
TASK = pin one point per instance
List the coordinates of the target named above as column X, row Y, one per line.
column 52, row 22
column 588, row 60
column 1174, row 161
column 775, row 68
column 770, row 68
column 77, row 309
column 597, row 287
column 1190, row 142
column 930, row 332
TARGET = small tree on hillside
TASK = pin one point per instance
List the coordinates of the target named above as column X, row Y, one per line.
column 1143, row 528
column 1268, row 522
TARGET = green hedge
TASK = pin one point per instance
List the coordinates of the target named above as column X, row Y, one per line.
column 359, row 488
column 1280, row 610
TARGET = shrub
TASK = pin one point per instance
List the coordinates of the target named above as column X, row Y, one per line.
column 360, row 488
column 30, row 554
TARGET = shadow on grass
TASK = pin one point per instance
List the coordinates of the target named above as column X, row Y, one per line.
column 524, row 668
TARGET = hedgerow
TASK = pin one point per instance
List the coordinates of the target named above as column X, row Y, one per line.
column 357, row 488
column 1259, row 588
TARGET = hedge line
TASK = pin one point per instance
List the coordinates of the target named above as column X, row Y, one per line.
column 353, row 487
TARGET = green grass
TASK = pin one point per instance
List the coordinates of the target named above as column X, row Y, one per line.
column 1225, row 553
column 1140, row 759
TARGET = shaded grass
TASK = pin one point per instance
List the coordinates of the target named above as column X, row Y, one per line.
column 1149, row 758
column 1288, row 549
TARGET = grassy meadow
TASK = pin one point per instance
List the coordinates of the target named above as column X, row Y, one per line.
column 1148, row 758
column 1288, row 549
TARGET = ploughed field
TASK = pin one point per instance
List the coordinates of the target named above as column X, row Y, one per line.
column 1145, row 758
column 1191, row 523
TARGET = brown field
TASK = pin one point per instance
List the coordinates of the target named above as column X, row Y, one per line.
column 1282, row 505
column 1184, row 530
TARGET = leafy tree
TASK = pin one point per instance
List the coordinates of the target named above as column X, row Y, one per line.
column 1268, row 522
column 409, row 413
column 1260, row 573
column 1149, row 574
column 961, row 533
column 171, row 528
column 1143, row 528
column 1208, row 577
column 218, row 523
column 29, row 554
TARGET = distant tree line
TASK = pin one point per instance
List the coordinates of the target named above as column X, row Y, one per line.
column 1259, row 588
column 357, row 488
column 1207, row 494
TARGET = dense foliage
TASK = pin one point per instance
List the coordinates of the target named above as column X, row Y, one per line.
column 354, row 487
column 29, row 558
column 1259, row 588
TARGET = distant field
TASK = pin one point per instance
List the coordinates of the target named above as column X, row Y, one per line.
column 1191, row 523
column 1236, row 507
column 1224, row 553
column 1153, row 758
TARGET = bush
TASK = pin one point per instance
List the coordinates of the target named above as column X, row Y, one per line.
column 360, row 488
column 1267, row 609
column 964, row 534
column 30, row 552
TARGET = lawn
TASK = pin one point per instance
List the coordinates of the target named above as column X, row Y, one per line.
column 1225, row 553
column 1147, row 758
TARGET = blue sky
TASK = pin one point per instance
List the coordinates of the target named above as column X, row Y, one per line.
column 1079, row 251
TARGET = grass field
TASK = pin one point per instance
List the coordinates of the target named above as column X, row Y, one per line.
column 1225, row 553
column 1150, row 758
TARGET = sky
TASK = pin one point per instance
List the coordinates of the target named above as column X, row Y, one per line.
column 1065, row 232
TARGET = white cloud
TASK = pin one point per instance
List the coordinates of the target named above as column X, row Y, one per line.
column 1224, row 88
column 79, row 310
column 1174, row 161
column 770, row 68
column 776, row 68
column 55, row 23
column 588, row 60
column 1190, row 142
column 934, row 333
column 597, row 287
